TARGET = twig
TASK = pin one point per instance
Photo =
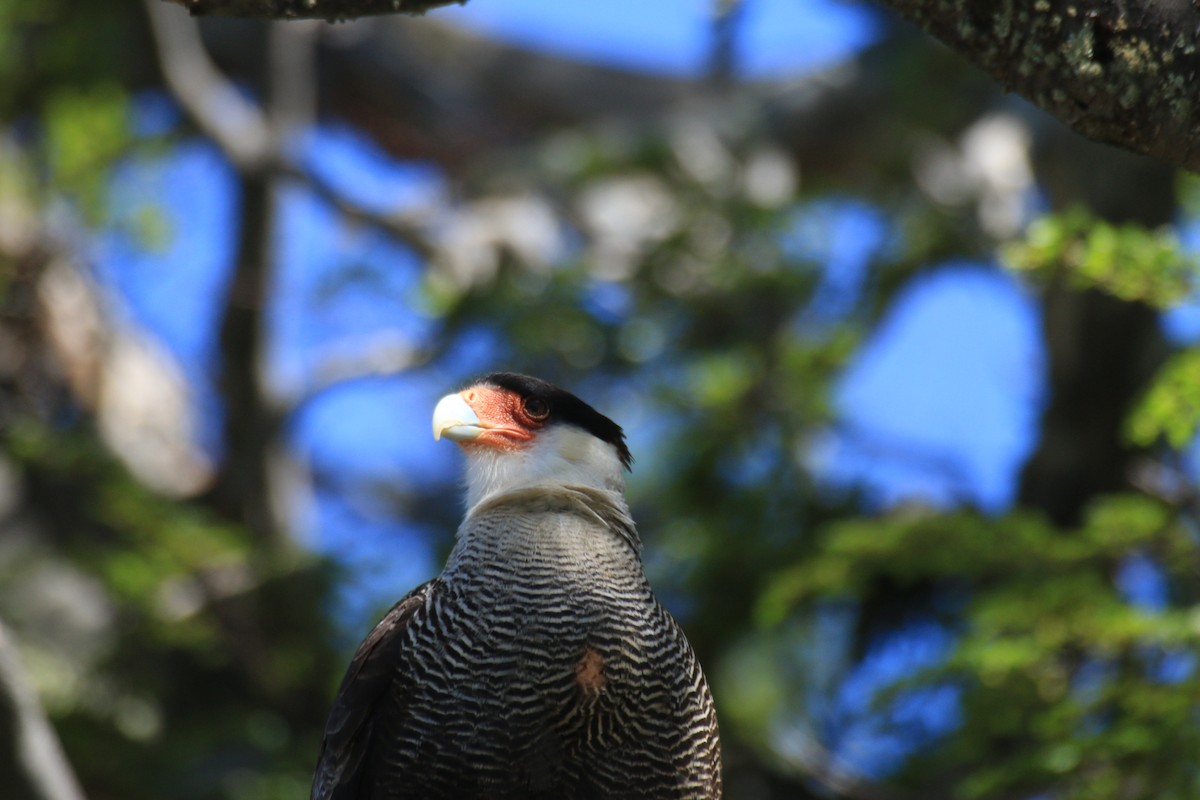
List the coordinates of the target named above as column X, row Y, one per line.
column 244, row 133
column 237, row 126
column 43, row 772
column 403, row 230
column 329, row 10
column 815, row 762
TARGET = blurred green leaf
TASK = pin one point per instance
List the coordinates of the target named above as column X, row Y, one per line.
column 1127, row 261
column 1170, row 409
column 86, row 131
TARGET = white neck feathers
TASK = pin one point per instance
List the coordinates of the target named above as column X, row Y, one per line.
column 560, row 455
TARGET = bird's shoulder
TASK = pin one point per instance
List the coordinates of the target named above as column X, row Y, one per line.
column 371, row 671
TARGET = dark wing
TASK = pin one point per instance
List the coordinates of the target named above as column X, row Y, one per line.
column 340, row 768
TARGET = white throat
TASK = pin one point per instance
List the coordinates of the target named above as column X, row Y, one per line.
column 561, row 455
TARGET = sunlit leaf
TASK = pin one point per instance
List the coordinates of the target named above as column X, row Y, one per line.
column 1128, row 261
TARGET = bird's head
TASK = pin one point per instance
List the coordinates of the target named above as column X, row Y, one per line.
column 519, row 431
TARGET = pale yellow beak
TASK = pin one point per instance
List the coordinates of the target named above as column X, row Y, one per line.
column 455, row 420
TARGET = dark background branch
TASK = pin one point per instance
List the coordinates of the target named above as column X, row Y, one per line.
column 331, row 10
column 1120, row 73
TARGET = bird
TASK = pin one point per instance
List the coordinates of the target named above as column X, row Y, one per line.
column 539, row 663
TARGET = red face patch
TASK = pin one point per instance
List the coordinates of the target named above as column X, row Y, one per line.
column 509, row 421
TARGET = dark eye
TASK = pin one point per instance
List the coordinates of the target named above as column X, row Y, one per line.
column 537, row 408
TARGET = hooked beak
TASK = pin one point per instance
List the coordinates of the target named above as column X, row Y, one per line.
column 455, row 420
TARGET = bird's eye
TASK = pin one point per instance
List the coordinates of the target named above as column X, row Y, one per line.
column 537, row 408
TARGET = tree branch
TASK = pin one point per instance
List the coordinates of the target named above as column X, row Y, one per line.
column 330, row 10
column 214, row 104
column 378, row 360
column 31, row 758
column 1120, row 73
column 245, row 134
column 814, row 762
column 398, row 226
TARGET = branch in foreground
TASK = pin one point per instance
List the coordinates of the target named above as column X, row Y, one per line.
column 330, row 10
column 29, row 748
column 1120, row 73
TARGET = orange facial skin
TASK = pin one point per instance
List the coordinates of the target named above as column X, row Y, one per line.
column 509, row 422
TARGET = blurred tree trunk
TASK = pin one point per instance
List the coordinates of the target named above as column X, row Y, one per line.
column 254, row 139
column 1102, row 351
column 243, row 484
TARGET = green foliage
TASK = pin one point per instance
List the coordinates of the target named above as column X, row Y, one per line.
column 1127, row 261
column 1059, row 669
column 1188, row 191
column 1170, row 409
column 50, row 44
column 220, row 659
column 86, row 130
column 64, row 69
column 17, row 19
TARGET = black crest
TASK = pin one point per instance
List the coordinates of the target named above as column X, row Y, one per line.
column 565, row 407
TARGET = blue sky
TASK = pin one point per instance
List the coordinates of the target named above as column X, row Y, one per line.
column 942, row 403
column 777, row 38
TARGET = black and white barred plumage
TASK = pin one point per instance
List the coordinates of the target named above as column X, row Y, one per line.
column 539, row 664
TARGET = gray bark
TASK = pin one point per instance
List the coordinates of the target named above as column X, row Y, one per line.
column 1120, row 73
column 331, row 10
